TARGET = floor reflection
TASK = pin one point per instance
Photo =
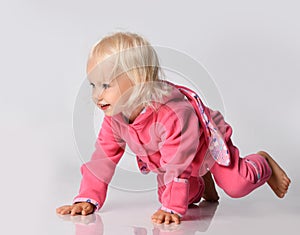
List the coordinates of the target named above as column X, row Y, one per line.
column 197, row 219
column 86, row 225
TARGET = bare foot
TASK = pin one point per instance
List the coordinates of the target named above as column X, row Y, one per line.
column 210, row 192
column 279, row 181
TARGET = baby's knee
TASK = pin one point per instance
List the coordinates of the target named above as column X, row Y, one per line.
column 241, row 187
column 236, row 192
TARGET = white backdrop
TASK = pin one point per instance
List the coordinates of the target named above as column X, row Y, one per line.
column 250, row 48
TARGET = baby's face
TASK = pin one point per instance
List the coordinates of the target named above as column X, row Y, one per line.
column 108, row 92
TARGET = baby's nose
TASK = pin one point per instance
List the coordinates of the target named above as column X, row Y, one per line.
column 98, row 93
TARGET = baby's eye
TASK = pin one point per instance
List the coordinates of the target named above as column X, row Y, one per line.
column 105, row 86
column 92, row 84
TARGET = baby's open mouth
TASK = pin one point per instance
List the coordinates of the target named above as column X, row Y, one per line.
column 103, row 106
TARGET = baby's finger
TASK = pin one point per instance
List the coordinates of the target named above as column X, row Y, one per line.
column 168, row 218
column 88, row 209
column 175, row 218
column 64, row 210
column 76, row 209
column 59, row 209
column 154, row 216
column 157, row 219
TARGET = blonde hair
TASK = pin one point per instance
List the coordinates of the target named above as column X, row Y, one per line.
column 133, row 54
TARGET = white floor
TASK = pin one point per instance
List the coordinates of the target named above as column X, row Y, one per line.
column 129, row 213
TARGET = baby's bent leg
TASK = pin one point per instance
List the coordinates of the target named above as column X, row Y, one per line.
column 243, row 175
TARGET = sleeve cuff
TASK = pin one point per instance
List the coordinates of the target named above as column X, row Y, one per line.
column 181, row 180
column 82, row 199
column 170, row 211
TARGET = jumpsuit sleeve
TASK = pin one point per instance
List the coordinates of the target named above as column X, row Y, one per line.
column 180, row 139
column 97, row 173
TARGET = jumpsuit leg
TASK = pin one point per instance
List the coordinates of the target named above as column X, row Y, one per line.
column 243, row 175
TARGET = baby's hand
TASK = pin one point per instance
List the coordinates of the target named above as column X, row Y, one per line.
column 161, row 216
column 83, row 208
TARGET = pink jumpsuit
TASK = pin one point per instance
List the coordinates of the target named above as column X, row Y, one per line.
column 169, row 141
